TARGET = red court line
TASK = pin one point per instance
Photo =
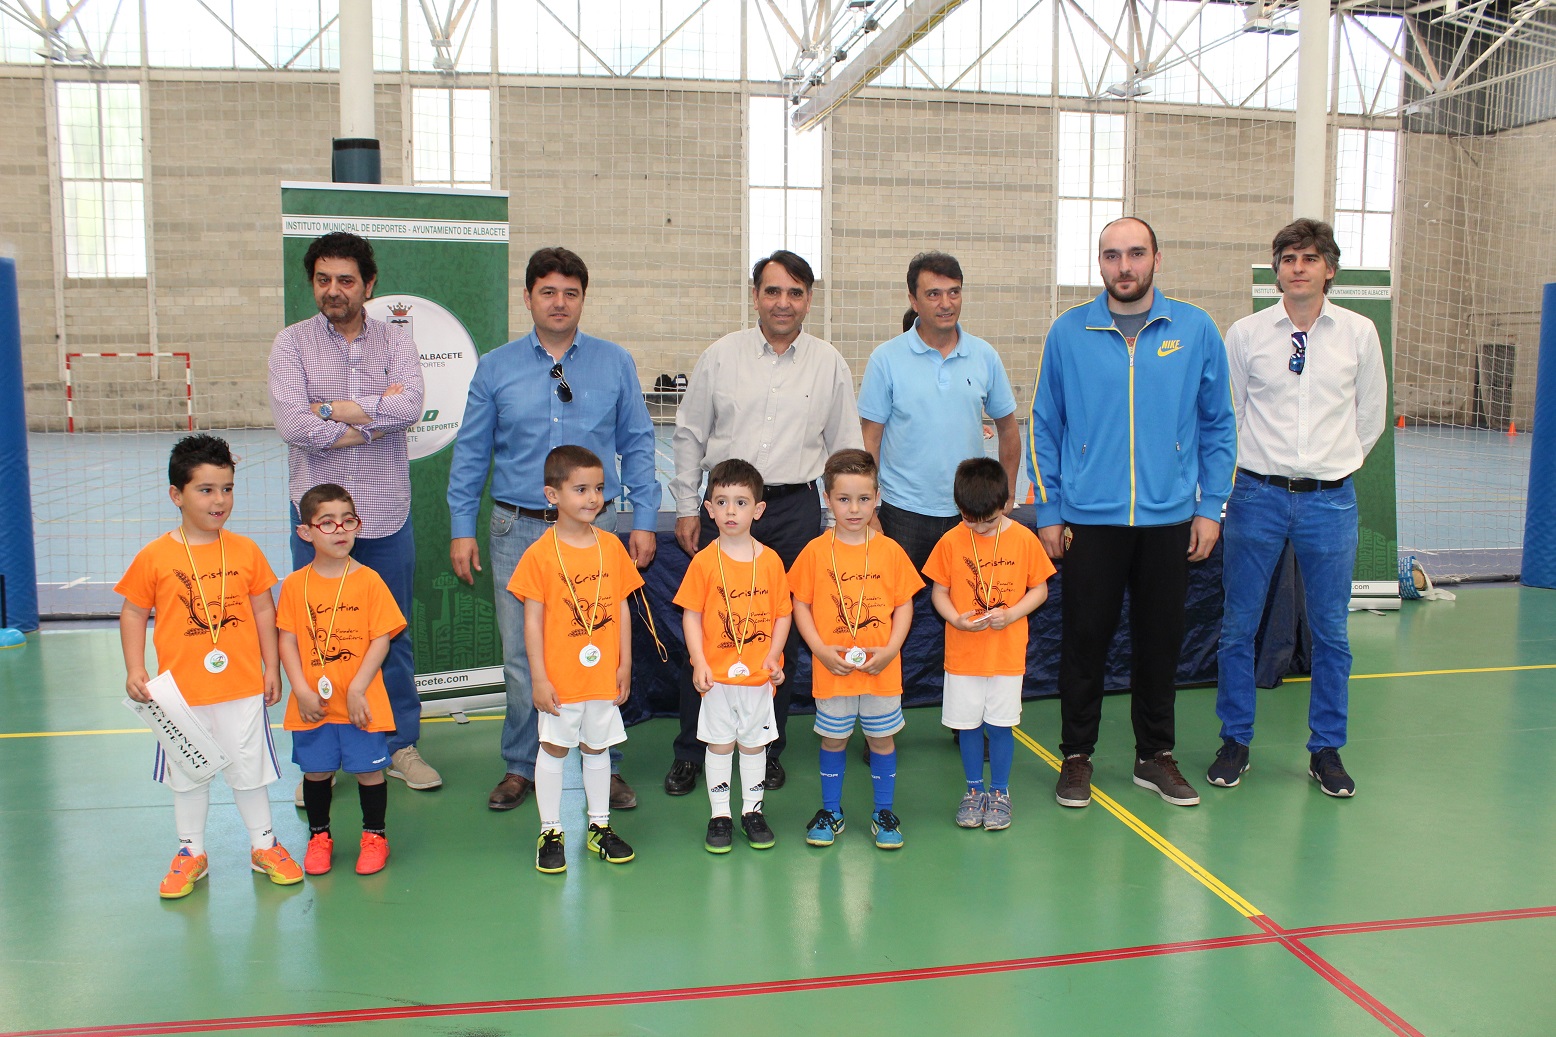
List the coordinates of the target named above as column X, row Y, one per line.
column 1339, row 980
column 1271, row 933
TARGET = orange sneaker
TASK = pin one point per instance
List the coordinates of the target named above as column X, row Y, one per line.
column 182, row 875
column 316, row 861
column 278, row 864
column 374, row 855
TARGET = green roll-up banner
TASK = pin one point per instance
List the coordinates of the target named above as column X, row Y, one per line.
column 1367, row 292
column 443, row 275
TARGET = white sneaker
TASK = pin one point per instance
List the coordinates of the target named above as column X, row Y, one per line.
column 407, row 765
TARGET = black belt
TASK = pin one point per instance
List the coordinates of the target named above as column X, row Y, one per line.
column 772, row 490
column 543, row 514
column 1296, row 485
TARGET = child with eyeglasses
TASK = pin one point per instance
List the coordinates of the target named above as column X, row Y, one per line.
column 338, row 711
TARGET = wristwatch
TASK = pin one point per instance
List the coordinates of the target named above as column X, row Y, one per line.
column 326, row 409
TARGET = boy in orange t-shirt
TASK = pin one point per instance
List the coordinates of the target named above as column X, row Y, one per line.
column 853, row 604
column 989, row 574
column 574, row 583
column 339, row 712
column 216, row 634
column 736, row 602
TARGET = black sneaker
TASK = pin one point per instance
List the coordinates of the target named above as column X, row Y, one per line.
column 720, row 835
column 610, row 846
column 550, row 856
column 1074, row 788
column 758, row 834
column 1230, row 764
column 1329, row 772
column 775, row 775
column 1161, row 775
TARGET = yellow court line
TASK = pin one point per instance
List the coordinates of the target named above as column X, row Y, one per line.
column 1152, row 836
column 1438, row 673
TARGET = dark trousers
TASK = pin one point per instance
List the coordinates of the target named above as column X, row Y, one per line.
column 916, row 534
column 394, row 559
column 1100, row 563
column 792, row 520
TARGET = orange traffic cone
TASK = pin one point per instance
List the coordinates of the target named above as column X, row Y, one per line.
column 1401, row 422
column 1512, row 428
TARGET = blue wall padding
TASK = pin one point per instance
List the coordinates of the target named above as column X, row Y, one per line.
column 17, row 560
column 1539, row 568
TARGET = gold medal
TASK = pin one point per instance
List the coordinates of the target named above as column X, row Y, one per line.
column 215, row 659
column 326, row 689
column 589, row 655
column 742, row 636
column 855, row 656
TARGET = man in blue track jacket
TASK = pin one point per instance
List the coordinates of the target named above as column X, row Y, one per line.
column 1133, row 449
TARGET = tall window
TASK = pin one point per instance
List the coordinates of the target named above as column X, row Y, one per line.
column 784, row 170
column 451, row 137
column 1091, row 190
column 103, row 182
column 1364, row 196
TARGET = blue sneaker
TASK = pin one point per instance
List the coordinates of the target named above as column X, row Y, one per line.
column 969, row 812
column 823, row 828
column 884, row 826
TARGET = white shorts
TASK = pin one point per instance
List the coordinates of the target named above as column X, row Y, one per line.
column 242, row 729
column 734, row 713
column 879, row 715
column 596, row 723
column 970, row 702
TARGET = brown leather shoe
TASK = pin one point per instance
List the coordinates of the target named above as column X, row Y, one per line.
column 510, row 792
column 622, row 796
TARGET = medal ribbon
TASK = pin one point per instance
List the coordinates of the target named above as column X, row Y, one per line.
column 741, row 637
column 313, row 626
column 599, row 578
column 842, row 599
column 216, row 627
column 986, row 593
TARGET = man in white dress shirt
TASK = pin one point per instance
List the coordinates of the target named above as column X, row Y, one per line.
column 783, row 400
column 1311, row 394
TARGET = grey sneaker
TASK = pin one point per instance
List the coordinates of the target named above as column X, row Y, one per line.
column 1326, row 769
column 969, row 813
column 997, row 814
column 1074, row 788
column 1231, row 762
column 407, row 765
column 1160, row 774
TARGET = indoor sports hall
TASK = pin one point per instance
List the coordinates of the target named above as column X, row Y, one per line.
column 166, row 162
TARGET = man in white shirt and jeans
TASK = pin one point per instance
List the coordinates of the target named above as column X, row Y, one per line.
column 1311, row 394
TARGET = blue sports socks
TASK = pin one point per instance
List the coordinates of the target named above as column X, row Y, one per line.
column 972, row 758
column 1002, row 750
column 883, row 778
column 833, row 764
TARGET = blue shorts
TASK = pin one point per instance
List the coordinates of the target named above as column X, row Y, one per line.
column 332, row 747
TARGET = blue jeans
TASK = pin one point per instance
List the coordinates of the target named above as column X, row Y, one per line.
column 1322, row 528
column 510, row 535
column 394, row 559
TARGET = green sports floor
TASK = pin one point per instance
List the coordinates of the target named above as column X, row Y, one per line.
column 1425, row 905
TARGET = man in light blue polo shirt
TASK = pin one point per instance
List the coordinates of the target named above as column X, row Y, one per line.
column 922, row 404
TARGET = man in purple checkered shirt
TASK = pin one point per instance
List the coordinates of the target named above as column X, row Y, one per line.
column 344, row 389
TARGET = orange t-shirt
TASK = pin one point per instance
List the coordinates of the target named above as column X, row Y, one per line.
column 159, row 579
column 367, row 612
column 875, row 578
column 607, row 571
column 756, row 607
column 1019, row 565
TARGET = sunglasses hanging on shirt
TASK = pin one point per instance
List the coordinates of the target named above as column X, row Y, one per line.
column 564, row 392
column 1298, row 352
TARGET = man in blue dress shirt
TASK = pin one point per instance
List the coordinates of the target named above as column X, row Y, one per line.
column 553, row 387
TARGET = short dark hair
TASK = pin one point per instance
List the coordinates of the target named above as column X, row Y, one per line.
column 320, row 495
column 735, row 472
column 795, row 265
column 942, row 263
column 341, row 245
column 981, row 489
column 191, row 452
column 1148, row 229
column 909, row 319
column 1306, row 233
column 850, row 462
column 554, row 259
column 565, row 460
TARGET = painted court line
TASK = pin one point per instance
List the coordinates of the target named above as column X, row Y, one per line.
column 1339, row 980
column 1269, row 933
